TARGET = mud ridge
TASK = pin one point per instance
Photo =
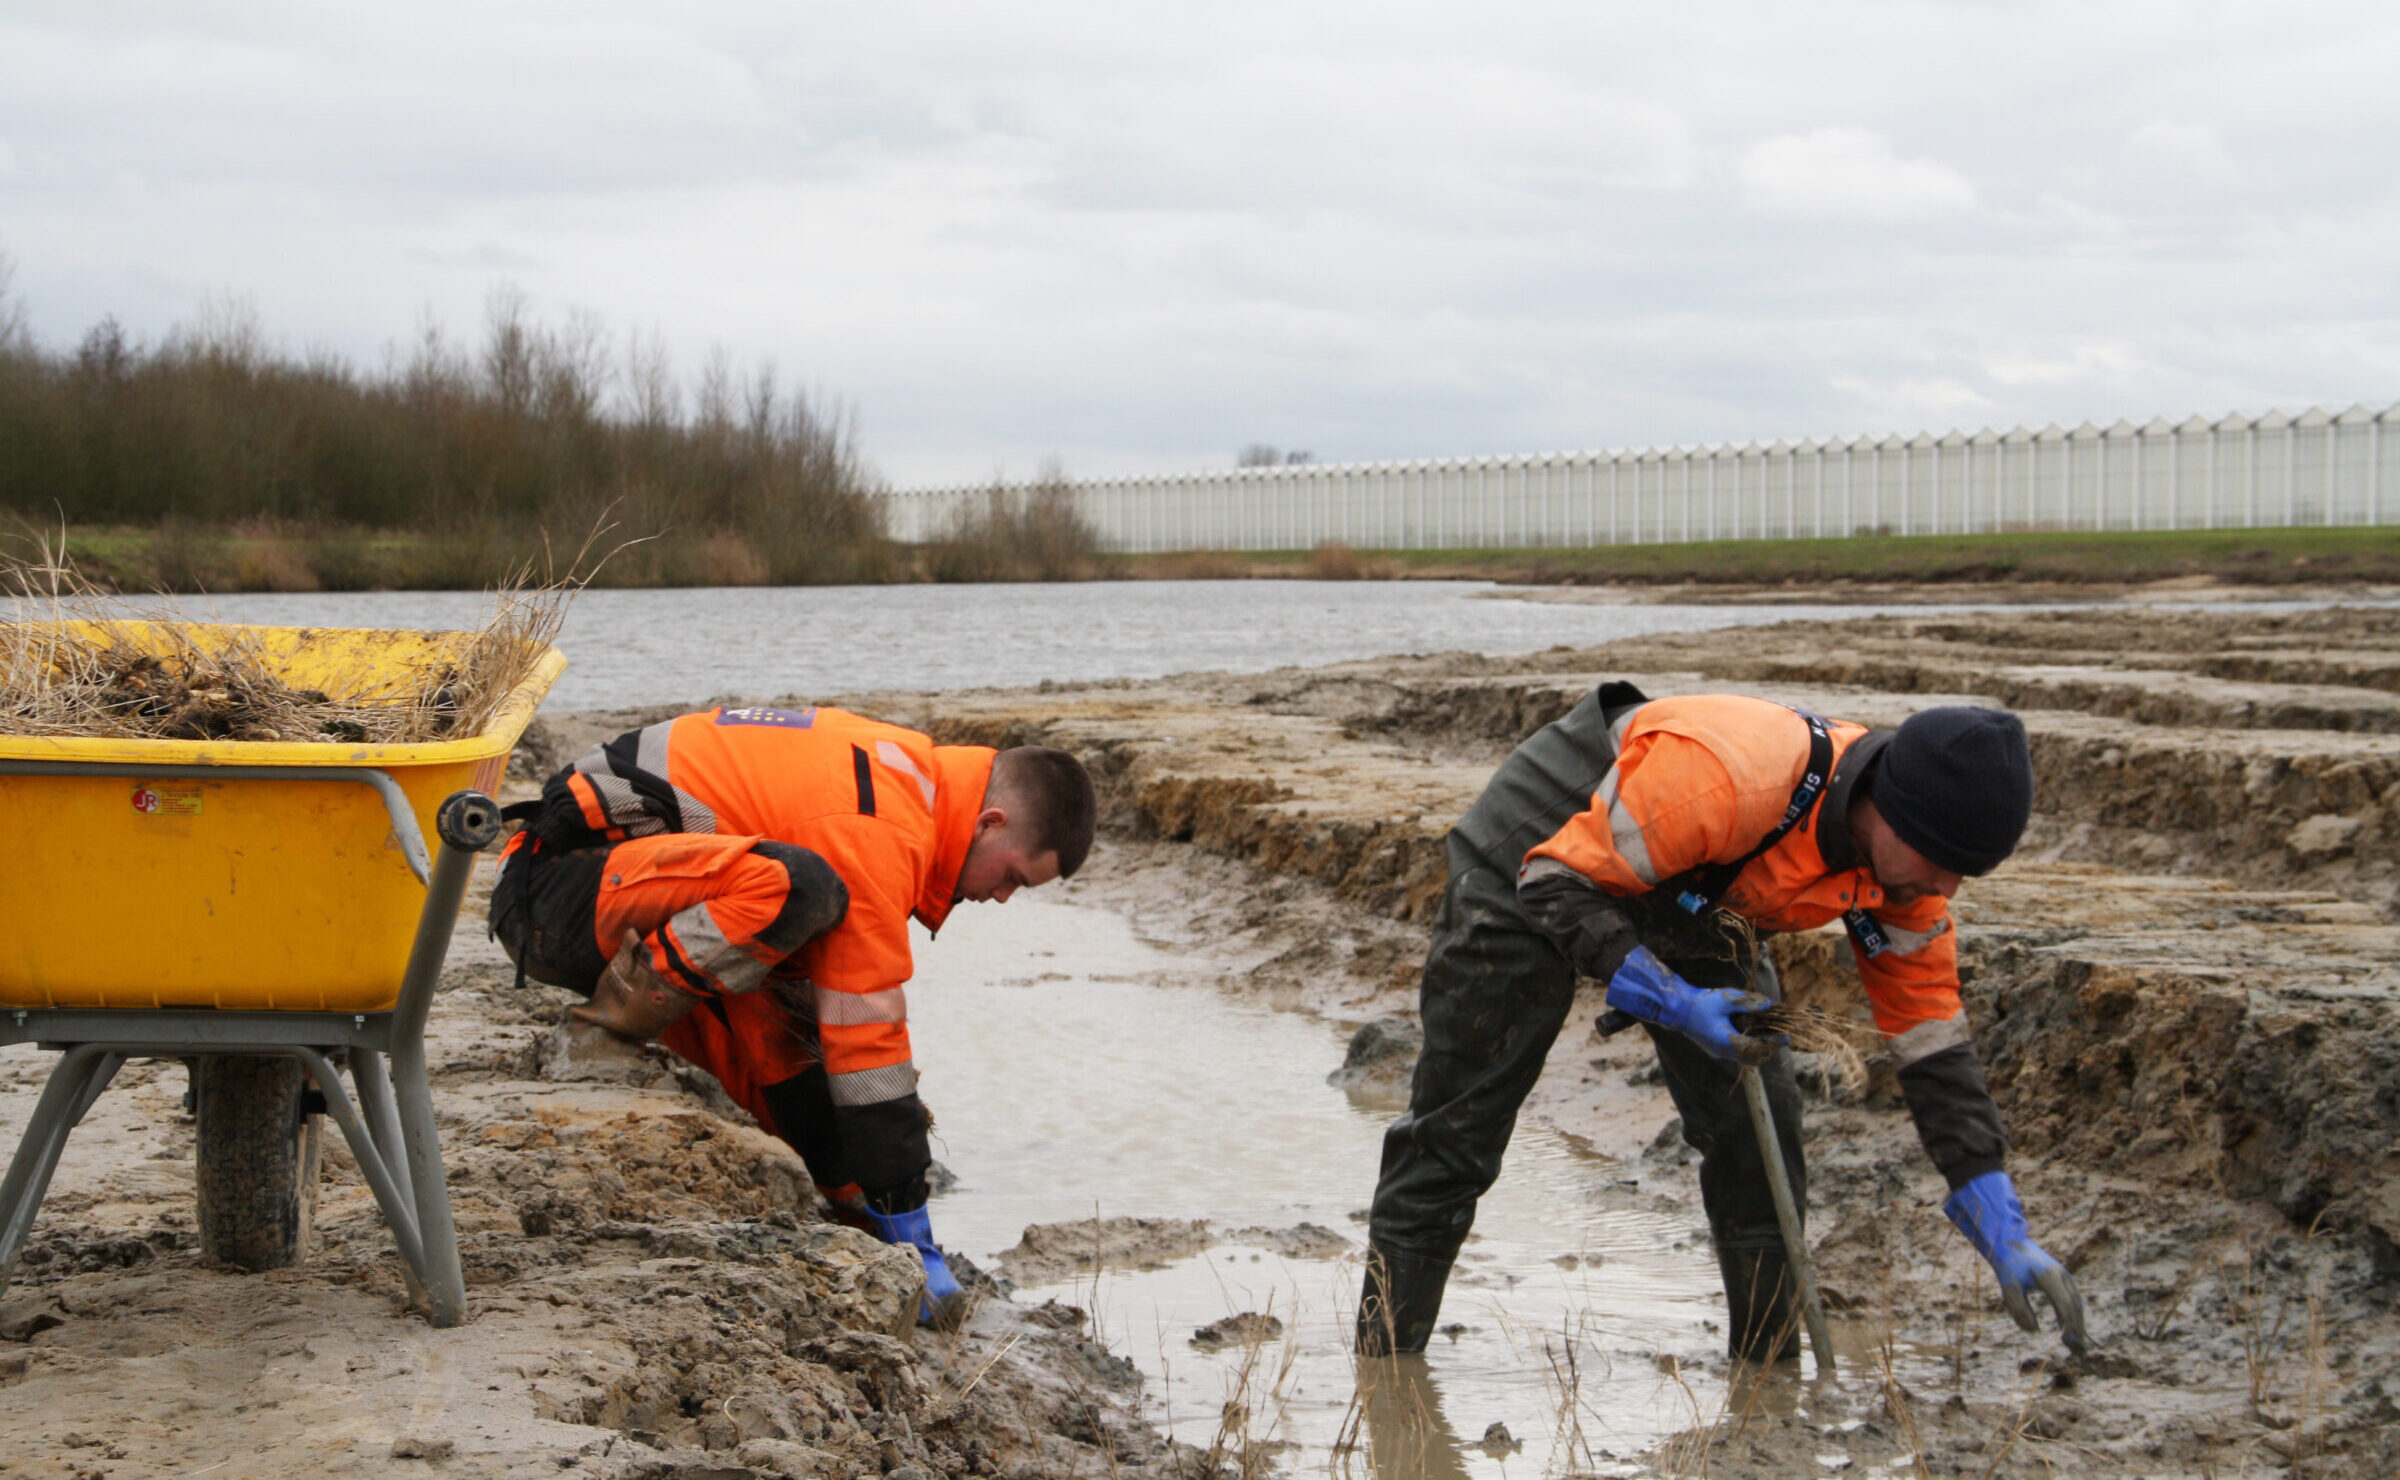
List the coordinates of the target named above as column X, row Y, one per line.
column 2186, row 988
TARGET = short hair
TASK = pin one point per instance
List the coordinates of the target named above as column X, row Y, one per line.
column 1052, row 791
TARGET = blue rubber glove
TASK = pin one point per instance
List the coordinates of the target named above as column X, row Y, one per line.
column 1647, row 989
column 945, row 1304
column 1986, row 1210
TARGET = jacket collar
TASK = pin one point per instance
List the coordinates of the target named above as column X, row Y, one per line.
column 961, row 774
column 1833, row 814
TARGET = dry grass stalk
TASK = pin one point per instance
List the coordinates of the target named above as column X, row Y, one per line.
column 1896, row 1405
column 77, row 662
column 1813, row 1030
column 1687, row 1455
column 1564, row 1373
column 1258, row 1396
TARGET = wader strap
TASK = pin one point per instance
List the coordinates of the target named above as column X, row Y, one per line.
column 524, row 813
column 1709, row 882
column 1547, row 780
column 1617, row 699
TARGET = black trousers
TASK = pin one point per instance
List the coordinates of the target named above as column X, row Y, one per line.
column 1494, row 994
column 542, row 916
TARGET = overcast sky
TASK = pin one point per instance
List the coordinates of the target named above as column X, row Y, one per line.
column 1140, row 237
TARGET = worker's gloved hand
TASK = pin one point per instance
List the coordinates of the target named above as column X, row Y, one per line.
column 1986, row 1210
column 945, row 1304
column 847, row 1205
column 1646, row 988
column 631, row 999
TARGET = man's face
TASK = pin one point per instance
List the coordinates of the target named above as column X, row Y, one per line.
column 1904, row 874
column 999, row 863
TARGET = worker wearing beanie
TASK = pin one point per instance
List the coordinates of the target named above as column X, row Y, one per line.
column 1646, row 843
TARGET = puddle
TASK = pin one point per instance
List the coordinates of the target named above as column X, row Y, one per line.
column 1079, row 1072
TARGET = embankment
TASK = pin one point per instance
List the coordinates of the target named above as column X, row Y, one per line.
column 2186, row 986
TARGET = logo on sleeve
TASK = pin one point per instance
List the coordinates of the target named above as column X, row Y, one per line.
column 781, row 719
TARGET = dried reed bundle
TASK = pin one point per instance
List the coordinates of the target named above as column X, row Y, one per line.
column 1812, row 1030
column 77, row 661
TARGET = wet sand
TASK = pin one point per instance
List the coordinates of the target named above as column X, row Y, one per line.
column 2183, row 988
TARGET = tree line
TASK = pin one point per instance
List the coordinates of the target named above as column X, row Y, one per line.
column 212, row 458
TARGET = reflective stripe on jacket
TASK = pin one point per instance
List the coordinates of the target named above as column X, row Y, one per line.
column 1700, row 780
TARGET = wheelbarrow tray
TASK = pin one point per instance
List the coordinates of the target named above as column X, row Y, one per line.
column 234, row 904
column 244, row 882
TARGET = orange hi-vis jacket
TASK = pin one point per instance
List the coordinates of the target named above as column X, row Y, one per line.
column 1700, row 780
column 889, row 810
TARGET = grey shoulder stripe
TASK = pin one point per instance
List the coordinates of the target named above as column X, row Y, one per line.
column 1624, row 831
column 1927, row 1039
column 1541, row 868
column 1909, row 942
column 873, row 1086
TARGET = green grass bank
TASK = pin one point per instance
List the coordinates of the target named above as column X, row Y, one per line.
column 2262, row 557
column 266, row 555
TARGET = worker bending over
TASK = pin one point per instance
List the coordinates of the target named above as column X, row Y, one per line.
column 761, row 866
column 1644, row 843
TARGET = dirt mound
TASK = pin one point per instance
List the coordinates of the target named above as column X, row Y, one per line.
column 1051, row 1253
column 2182, row 987
column 650, row 1291
column 1245, row 1328
column 2289, row 1094
column 1300, row 1241
column 1382, row 1052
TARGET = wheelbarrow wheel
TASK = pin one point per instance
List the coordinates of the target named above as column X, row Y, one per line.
column 257, row 1150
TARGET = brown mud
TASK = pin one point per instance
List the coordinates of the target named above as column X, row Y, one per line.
column 653, row 1295
column 2186, row 988
column 2183, row 986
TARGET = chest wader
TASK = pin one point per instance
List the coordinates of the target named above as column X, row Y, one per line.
column 1493, row 997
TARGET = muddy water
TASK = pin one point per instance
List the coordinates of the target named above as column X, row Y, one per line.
column 684, row 646
column 1079, row 1071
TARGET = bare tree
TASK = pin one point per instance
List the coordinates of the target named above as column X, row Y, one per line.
column 652, row 398
column 16, row 335
column 574, row 367
column 1264, row 455
column 508, row 349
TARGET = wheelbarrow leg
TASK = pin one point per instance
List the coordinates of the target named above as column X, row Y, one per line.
column 445, row 1279
column 383, row 1117
column 82, row 1073
column 380, row 1168
column 102, row 1073
column 467, row 821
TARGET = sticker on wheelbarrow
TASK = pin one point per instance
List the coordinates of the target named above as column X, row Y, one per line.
column 784, row 719
column 168, row 801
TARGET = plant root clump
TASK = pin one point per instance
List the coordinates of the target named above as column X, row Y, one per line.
column 1812, row 1030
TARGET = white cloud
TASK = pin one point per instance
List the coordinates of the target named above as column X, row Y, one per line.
column 2079, row 363
column 1143, row 235
column 1935, row 403
column 1849, row 173
column 2191, row 151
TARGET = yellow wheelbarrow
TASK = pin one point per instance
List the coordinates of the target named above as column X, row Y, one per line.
column 268, row 912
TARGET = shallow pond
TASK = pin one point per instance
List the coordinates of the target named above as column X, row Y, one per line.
column 689, row 646
column 1078, row 1071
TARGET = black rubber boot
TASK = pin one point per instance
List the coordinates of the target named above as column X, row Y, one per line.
column 1761, row 1305
column 1398, row 1301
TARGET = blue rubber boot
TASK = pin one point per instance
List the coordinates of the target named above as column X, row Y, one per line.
column 945, row 1304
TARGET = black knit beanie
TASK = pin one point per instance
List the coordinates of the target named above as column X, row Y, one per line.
column 1957, row 785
